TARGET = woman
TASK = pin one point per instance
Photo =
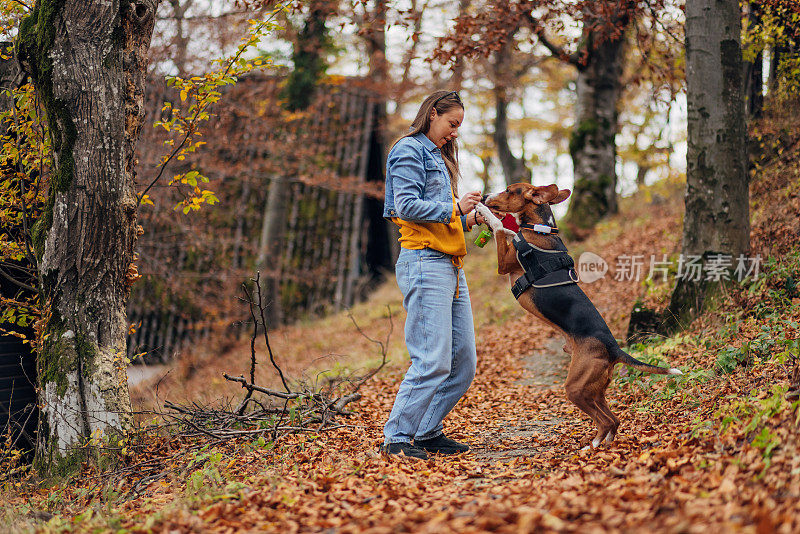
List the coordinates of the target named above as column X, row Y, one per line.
column 421, row 198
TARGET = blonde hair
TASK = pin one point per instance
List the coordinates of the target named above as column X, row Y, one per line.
column 442, row 102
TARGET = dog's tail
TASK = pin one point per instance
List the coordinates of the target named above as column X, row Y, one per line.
column 623, row 357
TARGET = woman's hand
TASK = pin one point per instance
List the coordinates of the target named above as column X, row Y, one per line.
column 468, row 201
column 475, row 217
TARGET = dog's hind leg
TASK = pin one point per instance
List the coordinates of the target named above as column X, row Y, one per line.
column 606, row 423
column 583, row 397
column 603, row 406
column 586, row 382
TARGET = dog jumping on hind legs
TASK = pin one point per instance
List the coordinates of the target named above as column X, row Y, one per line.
column 544, row 283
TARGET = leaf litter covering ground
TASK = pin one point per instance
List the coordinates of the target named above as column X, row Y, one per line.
column 687, row 458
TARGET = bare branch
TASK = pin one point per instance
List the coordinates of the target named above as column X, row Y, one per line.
column 13, row 280
column 261, row 307
column 245, row 384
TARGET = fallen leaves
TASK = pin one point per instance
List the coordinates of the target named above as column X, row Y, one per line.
column 673, row 467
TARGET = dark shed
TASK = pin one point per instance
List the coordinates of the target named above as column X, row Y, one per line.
column 18, row 402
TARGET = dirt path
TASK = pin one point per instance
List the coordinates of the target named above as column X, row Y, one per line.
column 542, row 370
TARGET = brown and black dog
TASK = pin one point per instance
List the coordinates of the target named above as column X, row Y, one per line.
column 556, row 299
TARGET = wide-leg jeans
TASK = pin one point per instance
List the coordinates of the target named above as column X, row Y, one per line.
column 440, row 338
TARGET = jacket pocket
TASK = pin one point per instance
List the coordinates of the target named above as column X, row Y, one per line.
column 435, row 181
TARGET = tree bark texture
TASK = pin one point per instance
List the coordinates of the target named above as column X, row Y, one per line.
column 87, row 61
column 717, row 219
column 593, row 144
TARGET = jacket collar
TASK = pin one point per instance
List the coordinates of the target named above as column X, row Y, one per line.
column 427, row 143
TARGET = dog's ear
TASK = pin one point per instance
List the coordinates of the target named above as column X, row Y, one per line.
column 542, row 195
column 561, row 196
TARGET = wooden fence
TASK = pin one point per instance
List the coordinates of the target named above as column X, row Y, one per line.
column 307, row 231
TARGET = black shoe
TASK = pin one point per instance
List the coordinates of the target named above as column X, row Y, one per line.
column 441, row 444
column 406, row 449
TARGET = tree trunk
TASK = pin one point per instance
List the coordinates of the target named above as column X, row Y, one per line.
column 379, row 74
column 753, row 80
column 514, row 168
column 411, row 53
column 10, row 79
column 457, row 79
column 717, row 212
column 753, row 73
column 775, row 55
column 181, row 40
column 309, row 56
column 376, row 45
column 484, row 174
column 271, row 244
column 593, row 144
column 87, row 61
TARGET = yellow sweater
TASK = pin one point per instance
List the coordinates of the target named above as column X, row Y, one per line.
column 447, row 238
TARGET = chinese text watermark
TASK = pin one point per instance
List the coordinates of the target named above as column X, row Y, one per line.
column 713, row 267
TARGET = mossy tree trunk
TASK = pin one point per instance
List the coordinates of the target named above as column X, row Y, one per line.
column 593, row 144
column 87, row 61
column 717, row 219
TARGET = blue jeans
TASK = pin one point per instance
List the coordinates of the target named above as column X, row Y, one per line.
column 440, row 339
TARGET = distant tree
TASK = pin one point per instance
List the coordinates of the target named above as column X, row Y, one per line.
column 87, row 61
column 717, row 220
column 598, row 59
column 311, row 45
column 310, row 48
column 772, row 28
column 596, row 53
column 505, row 76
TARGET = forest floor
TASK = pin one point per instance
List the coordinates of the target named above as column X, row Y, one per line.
column 715, row 449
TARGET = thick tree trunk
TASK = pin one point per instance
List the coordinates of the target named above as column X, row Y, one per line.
column 376, row 45
column 87, row 61
column 593, row 144
column 717, row 201
column 379, row 228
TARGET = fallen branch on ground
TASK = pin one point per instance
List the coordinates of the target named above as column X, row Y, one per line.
column 263, row 412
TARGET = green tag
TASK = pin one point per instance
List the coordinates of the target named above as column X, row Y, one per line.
column 483, row 238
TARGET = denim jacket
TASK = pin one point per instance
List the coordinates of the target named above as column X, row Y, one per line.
column 417, row 182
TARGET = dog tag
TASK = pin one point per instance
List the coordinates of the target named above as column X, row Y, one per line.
column 541, row 229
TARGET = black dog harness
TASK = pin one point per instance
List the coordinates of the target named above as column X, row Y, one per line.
column 543, row 268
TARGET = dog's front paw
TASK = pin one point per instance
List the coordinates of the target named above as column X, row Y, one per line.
column 494, row 223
